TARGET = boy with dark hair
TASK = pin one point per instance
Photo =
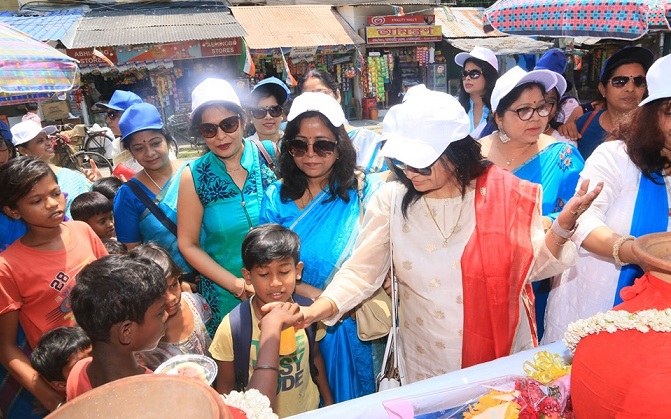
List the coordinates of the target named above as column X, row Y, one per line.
column 107, row 186
column 94, row 209
column 57, row 352
column 119, row 301
column 115, row 247
column 270, row 255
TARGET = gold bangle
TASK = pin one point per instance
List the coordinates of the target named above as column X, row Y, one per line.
column 242, row 291
column 553, row 235
column 616, row 249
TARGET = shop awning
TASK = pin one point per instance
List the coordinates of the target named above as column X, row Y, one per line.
column 294, row 26
column 43, row 26
column 462, row 28
column 138, row 26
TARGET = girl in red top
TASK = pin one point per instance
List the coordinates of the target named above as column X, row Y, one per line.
column 38, row 271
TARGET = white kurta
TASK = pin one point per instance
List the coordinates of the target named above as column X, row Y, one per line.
column 589, row 287
column 429, row 274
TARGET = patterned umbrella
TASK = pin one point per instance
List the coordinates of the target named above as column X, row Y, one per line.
column 31, row 70
column 618, row 19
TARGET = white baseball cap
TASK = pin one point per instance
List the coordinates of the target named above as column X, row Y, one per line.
column 657, row 79
column 211, row 91
column 419, row 130
column 27, row 130
column 318, row 102
column 480, row 53
column 516, row 77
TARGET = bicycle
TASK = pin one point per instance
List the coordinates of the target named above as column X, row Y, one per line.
column 179, row 128
column 100, row 142
column 77, row 160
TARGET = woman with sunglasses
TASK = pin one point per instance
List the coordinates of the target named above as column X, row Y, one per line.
column 521, row 112
column 265, row 109
column 220, row 197
column 366, row 142
column 322, row 197
column 144, row 136
column 479, row 75
column 622, row 85
column 634, row 167
column 460, row 231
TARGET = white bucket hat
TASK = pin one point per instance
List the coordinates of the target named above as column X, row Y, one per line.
column 211, row 91
column 419, row 130
column 657, row 79
column 318, row 102
column 516, row 77
column 480, row 53
column 28, row 130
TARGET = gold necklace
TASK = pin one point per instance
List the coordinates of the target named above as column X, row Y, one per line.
column 440, row 230
column 509, row 161
column 152, row 179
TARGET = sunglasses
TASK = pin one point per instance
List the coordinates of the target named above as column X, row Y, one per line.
column 322, row 148
column 621, row 81
column 112, row 115
column 228, row 125
column 424, row 171
column 473, row 74
column 261, row 112
column 527, row 112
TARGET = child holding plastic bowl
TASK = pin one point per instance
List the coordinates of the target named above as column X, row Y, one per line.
column 270, row 254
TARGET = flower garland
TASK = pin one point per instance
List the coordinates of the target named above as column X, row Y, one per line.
column 614, row 320
column 254, row 404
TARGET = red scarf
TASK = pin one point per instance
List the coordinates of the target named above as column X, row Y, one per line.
column 495, row 265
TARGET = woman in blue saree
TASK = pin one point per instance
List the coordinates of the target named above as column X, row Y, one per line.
column 143, row 136
column 522, row 109
column 322, row 197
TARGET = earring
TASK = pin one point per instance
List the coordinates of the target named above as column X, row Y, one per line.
column 502, row 135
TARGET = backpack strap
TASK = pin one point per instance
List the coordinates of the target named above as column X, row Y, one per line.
column 311, row 332
column 152, row 207
column 241, row 332
column 589, row 121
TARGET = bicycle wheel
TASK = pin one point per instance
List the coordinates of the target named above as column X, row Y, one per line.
column 83, row 159
column 173, row 148
column 96, row 143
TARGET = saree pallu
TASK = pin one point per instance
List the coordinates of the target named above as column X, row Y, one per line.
column 557, row 169
column 328, row 231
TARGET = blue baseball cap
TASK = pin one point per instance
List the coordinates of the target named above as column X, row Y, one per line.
column 139, row 117
column 555, row 61
column 121, row 100
column 275, row 87
column 626, row 55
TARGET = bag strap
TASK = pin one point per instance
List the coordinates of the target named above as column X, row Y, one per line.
column 589, row 121
column 264, row 153
column 152, row 207
column 311, row 332
column 241, row 332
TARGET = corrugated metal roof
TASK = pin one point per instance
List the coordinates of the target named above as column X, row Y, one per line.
column 462, row 22
column 505, row 45
column 153, row 26
column 294, row 26
column 43, row 26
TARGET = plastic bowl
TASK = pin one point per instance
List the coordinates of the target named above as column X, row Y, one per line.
column 200, row 365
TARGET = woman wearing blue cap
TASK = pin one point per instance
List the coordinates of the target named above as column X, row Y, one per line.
column 146, row 205
column 220, row 196
column 265, row 109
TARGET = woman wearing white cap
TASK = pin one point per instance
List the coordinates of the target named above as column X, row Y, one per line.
column 480, row 72
column 322, row 198
column 635, row 201
column 220, row 197
column 467, row 239
column 31, row 139
column 521, row 112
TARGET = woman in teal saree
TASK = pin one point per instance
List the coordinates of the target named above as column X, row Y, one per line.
column 322, row 198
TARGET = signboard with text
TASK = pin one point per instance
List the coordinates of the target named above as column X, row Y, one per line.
column 86, row 57
column 401, row 20
column 400, row 34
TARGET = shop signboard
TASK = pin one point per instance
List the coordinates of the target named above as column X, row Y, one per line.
column 403, row 34
column 180, row 50
column 221, row 47
column 302, row 51
column 401, row 20
column 85, row 56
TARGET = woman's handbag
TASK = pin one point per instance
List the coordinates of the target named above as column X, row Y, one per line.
column 373, row 317
column 393, row 365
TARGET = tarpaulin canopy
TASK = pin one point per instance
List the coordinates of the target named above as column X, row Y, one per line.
column 31, row 70
column 616, row 19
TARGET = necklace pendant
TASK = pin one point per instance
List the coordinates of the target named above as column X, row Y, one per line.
column 445, row 244
column 508, row 162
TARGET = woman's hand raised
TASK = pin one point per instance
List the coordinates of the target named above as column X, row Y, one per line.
column 578, row 204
